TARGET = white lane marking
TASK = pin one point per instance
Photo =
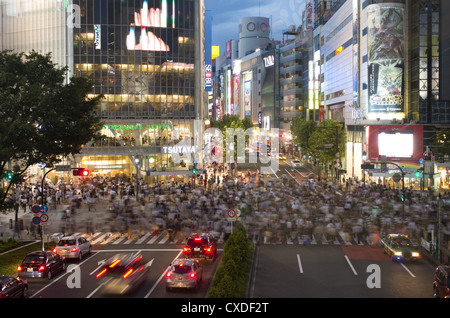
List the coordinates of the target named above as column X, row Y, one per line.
column 162, row 276
column 299, row 264
column 406, row 268
column 351, row 266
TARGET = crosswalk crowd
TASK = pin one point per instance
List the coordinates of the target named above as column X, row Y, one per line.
column 274, row 210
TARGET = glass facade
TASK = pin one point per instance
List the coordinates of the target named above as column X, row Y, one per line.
column 141, row 56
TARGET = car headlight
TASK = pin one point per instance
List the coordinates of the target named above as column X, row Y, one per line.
column 398, row 253
column 415, row 254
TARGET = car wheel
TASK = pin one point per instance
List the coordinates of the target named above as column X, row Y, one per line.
column 49, row 274
column 80, row 257
column 90, row 250
column 435, row 294
column 63, row 268
column 25, row 292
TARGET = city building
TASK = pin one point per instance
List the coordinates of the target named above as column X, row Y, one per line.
column 145, row 57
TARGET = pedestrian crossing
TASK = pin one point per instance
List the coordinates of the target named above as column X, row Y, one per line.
column 116, row 238
column 163, row 237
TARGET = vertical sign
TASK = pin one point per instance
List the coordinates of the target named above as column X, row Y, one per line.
column 385, row 48
column 98, row 36
column 355, row 52
column 208, row 51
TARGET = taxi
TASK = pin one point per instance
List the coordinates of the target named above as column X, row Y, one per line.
column 400, row 248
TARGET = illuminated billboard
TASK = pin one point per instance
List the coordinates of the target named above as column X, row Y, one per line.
column 396, row 142
column 145, row 34
column 385, row 47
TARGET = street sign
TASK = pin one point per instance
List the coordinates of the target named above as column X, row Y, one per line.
column 63, row 168
column 44, row 208
column 44, row 218
column 36, row 220
column 231, row 214
column 36, row 209
column 367, row 166
column 397, row 177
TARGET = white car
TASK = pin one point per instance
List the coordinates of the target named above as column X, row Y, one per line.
column 296, row 163
column 74, row 247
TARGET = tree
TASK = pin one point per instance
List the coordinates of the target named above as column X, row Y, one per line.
column 323, row 142
column 302, row 130
column 42, row 118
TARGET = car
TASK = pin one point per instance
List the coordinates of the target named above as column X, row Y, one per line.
column 13, row 287
column 282, row 156
column 200, row 245
column 296, row 163
column 41, row 264
column 441, row 282
column 122, row 274
column 73, row 247
column 400, row 248
column 184, row 273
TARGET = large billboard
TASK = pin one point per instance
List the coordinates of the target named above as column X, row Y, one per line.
column 385, row 48
column 145, row 31
column 402, row 143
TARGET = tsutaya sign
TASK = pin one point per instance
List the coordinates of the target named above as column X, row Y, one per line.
column 135, row 127
column 178, row 149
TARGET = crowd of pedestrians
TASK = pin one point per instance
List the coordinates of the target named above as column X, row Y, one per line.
column 274, row 210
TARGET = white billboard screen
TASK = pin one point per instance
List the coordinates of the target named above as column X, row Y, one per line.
column 396, row 145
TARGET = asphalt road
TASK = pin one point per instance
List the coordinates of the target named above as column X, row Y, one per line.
column 295, row 271
column 79, row 281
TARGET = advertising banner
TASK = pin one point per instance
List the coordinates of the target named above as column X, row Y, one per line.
column 385, row 47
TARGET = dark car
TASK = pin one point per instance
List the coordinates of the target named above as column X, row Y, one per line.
column 201, row 245
column 441, row 282
column 122, row 274
column 184, row 273
column 41, row 264
column 13, row 287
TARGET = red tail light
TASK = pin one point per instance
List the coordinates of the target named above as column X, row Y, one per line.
column 186, row 249
column 208, row 249
column 169, row 274
column 74, row 250
column 197, row 239
column 115, row 263
column 19, row 268
column 54, row 250
column 101, row 273
column 128, row 273
column 192, row 275
column 41, row 268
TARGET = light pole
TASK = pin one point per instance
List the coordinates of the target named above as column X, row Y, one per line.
column 364, row 157
column 137, row 161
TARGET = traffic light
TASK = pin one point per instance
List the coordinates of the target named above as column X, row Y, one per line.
column 9, row 175
column 194, row 171
column 417, row 173
column 81, row 172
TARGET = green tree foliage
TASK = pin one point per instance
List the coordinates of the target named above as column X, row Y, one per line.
column 231, row 277
column 231, row 121
column 301, row 131
column 42, row 118
column 327, row 133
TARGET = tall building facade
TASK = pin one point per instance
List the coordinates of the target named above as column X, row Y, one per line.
column 146, row 57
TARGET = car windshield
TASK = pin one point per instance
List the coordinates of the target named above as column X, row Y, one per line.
column 182, row 269
column 33, row 259
column 67, row 242
column 401, row 242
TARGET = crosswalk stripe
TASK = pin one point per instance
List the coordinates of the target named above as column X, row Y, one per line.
column 164, row 239
column 143, row 238
column 99, row 238
column 118, row 241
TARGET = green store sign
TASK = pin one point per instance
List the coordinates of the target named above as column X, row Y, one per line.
column 135, row 127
